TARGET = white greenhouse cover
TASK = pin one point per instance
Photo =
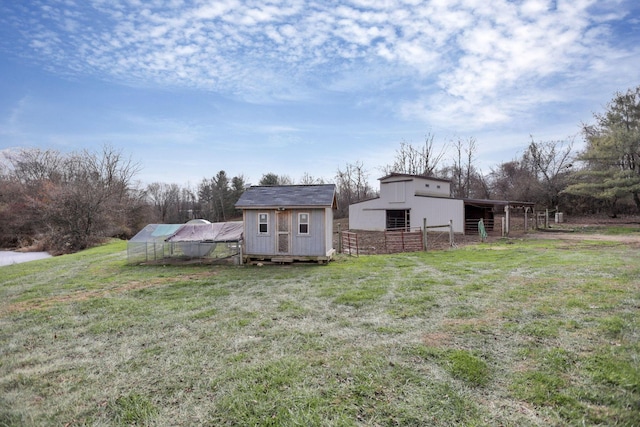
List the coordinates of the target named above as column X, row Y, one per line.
column 213, row 232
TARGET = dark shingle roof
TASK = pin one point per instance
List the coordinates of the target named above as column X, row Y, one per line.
column 275, row 196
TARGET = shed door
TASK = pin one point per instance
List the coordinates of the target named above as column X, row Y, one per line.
column 283, row 232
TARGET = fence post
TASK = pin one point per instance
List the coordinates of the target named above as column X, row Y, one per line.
column 507, row 213
column 339, row 238
column 546, row 218
column 357, row 247
column 424, row 234
column 451, row 232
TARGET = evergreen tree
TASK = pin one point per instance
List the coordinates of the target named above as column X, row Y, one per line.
column 611, row 159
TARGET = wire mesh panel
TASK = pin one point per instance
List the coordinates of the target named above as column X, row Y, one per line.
column 205, row 242
column 150, row 243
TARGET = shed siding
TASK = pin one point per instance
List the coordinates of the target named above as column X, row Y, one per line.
column 312, row 244
column 259, row 243
column 328, row 218
column 317, row 243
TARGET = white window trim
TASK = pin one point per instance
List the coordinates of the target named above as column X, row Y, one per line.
column 263, row 233
column 308, row 223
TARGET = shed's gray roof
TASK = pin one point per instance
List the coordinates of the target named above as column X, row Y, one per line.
column 288, row 196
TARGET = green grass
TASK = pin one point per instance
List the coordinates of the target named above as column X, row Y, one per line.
column 514, row 333
column 606, row 229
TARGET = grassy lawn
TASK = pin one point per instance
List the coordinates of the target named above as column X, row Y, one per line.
column 515, row 333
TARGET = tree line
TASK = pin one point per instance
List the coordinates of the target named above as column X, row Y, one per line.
column 64, row 202
column 603, row 177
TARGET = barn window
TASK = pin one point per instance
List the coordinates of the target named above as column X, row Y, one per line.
column 399, row 219
column 263, row 223
column 303, row 223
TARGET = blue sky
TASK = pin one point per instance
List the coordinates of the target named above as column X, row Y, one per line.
column 191, row 87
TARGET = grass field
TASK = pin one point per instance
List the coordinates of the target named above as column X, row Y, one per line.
column 513, row 333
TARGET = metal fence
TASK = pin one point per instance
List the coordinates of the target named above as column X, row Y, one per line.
column 403, row 240
column 349, row 243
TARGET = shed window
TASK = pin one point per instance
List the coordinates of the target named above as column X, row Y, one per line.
column 303, row 223
column 263, row 223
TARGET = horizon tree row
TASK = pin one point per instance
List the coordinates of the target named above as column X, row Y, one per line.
column 64, row 202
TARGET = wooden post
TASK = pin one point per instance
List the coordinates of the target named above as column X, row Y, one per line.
column 357, row 247
column 546, row 218
column 526, row 219
column 451, row 232
column 502, row 228
column 507, row 210
column 424, row 234
column 339, row 238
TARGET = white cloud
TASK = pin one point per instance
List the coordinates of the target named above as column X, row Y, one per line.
column 468, row 55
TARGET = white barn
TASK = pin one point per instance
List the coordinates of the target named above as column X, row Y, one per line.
column 405, row 200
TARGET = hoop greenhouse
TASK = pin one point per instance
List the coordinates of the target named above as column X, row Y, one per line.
column 196, row 240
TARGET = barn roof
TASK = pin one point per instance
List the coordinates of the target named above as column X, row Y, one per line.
column 288, row 196
column 491, row 202
column 411, row 176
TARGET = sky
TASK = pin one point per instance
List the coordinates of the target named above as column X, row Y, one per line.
column 186, row 88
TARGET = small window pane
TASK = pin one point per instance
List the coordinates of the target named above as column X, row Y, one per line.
column 303, row 223
column 263, row 223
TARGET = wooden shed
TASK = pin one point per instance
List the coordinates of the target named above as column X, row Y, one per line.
column 286, row 223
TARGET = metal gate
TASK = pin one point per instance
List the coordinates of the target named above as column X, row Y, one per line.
column 404, row 241
column 349, row 243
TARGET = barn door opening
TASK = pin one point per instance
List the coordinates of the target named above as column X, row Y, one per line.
column 398, row 219
column 283, row 232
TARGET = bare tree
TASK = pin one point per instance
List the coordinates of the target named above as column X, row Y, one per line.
column 352, row 186
column 78, row 199
column 462, row 172
column 416, row 160
column 512, row 180
column 91, row 202
column 35, row 166
column 165, row 200
column 310, row 180
column 552, row 162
